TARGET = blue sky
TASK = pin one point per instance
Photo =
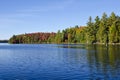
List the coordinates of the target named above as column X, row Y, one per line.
column 26, row 16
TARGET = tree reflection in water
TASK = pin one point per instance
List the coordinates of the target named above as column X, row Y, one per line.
column 104, row 60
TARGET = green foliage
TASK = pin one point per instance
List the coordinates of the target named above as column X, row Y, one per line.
column 32, row 38
column 59, row 37
column 101, row 30
column 113, row 33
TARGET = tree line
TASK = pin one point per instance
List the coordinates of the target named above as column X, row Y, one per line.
column 3, row 41
column 31, row 38
column 100, row 30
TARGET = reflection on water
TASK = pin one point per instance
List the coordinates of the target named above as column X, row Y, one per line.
column 53, row 62
column 105, row 60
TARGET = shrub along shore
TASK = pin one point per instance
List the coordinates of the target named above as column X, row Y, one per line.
column 104, row 30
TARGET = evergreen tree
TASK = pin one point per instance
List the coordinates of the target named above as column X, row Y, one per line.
column 105, row 28
column 96, row 27
column 101, row 33
column 90, row 31
column 113, row 33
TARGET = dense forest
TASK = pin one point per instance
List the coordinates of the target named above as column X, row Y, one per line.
column 100, row 30
column 31, row 38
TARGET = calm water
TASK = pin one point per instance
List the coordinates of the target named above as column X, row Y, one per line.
column 59, row 62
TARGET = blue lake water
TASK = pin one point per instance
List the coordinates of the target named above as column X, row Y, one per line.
column 59, row 62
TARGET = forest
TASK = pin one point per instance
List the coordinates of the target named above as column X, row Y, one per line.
column 99, row 30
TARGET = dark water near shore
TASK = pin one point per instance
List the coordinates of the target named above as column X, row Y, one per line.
column 59, row 62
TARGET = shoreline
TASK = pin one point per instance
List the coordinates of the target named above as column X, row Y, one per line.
column 72, row 43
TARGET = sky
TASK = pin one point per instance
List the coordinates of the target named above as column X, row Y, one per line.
column 28, row 16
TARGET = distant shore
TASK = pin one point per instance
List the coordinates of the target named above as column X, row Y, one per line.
column 69, row 43
column 3, row 41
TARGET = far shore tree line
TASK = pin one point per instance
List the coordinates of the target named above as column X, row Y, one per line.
column 3, row 41
column 100, row 30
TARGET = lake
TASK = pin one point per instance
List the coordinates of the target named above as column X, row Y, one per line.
column 59, row 62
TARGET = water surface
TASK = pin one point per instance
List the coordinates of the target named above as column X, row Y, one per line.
column 59, row 62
